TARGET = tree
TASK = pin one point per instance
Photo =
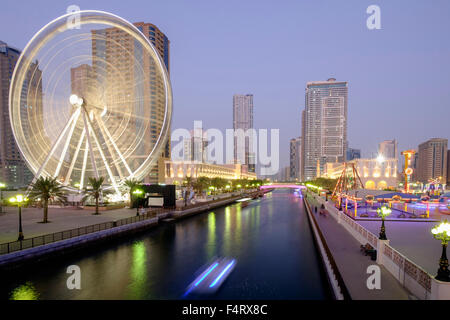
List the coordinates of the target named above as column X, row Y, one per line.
column 46, row 189
column 201, row 183
column 130, row 185
column 94, row 191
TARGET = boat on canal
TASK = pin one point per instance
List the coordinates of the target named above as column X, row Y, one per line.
column 212, row 278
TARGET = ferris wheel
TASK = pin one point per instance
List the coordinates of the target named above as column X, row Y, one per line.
column 91, row 100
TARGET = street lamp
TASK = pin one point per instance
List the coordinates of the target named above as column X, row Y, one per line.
column 383, row 212
column 19, row 200
column 138, row 193
column 442, row 232
column 2, row 186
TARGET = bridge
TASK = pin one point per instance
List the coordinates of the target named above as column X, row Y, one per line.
column 282, row 185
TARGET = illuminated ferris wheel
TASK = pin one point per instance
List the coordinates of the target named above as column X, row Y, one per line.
column 90, row 100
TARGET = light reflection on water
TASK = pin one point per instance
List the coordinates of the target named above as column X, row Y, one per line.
column 270, row 239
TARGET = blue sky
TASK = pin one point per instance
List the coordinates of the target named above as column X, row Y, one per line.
column 399, row 76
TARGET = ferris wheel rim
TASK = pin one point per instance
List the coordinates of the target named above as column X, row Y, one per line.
column 162, row 138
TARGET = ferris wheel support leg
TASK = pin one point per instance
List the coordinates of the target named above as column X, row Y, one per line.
column 75, row 156
column 83, row 169
column 52, row 150
column 91, row 150
column 102, row 155
column 115, row 147
column 66, row 145
column 103, row 131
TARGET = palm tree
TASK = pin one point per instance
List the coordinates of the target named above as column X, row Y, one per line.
column 94, row 191
column 188, row 182
column 46, row 188
column 130, row 185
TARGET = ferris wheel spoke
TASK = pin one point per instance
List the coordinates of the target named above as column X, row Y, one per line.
column 66, row 144
column 52, row 150
column 91, row 150
column 102, row 125
column 75, row 156
column 102, row 155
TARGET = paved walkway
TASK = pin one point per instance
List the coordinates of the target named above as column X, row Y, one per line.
column 413, row 239
column 352, row 264
column 60, row 219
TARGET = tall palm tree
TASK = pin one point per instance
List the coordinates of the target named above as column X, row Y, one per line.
column 94, row 190
column 130, row 185
column 46, row 188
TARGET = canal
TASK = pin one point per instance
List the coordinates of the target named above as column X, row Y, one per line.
column 270, row 239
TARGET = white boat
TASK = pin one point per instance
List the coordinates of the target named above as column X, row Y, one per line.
column 210, row 280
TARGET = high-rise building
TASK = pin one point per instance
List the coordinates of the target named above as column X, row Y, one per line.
column 295, row 159
column 195, row 148
column 124, row 75
column 353, row 154
column 13, row 170
column 388, row 149
column 325, row 125
column 432, row 160
column 302, row 148
column 448, row 167
column 243, row 119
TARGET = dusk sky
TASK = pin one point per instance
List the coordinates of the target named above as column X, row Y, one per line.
column 399, row 76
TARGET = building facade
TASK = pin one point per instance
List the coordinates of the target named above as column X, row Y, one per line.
column 325, row 125
column 432, row 160
column 13, row 170
column 175, row 172
column 295, row 159
column 388, row 149
column 373, row 173
column 243, row 119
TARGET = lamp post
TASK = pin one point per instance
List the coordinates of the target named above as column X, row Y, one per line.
column 138, row 193
column 19, row 200
column 442, row 232
column 383, row 212
column 2, row 186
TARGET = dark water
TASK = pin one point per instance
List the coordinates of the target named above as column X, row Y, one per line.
column 270, row 239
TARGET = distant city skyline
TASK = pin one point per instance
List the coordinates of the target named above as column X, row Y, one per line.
column 390, row 71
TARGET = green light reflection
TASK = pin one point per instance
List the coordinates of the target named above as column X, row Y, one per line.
column 138, row 271
column 211, row 244
column 26, row 291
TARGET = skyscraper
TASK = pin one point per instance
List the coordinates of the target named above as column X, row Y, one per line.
column 243, row 119
column 121, row 72
column 325, row 125
column 353, row 154
column 432, row 160
column 295, row 158
column 388, row 148
column 302, row 149
column 13, row 170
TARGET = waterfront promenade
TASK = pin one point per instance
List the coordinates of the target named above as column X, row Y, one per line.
column 60, row 219
column 352, row 264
